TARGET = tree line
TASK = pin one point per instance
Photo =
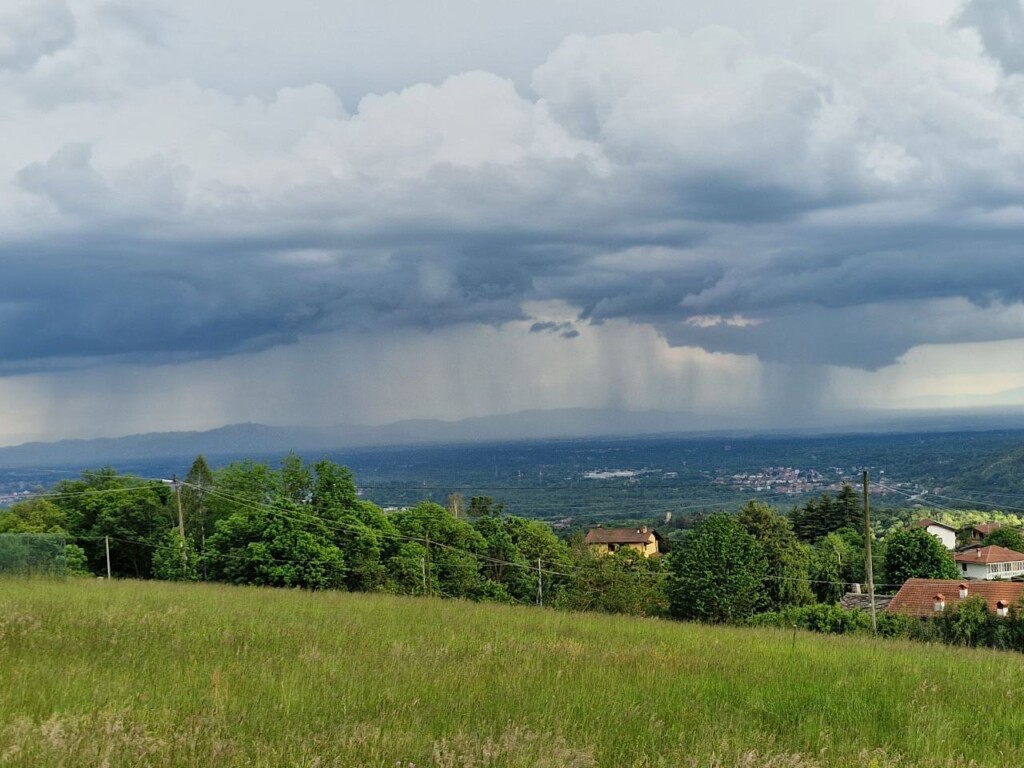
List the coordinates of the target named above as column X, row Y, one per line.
column 304, row 524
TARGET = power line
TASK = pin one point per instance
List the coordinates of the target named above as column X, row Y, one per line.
column 91, row 492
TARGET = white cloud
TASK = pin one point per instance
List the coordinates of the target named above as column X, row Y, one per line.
column 32, row 29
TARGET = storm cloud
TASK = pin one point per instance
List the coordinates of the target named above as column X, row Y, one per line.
column 836, row 192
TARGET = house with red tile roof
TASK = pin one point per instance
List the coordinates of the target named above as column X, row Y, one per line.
column 607, row 540
column 931, row 597
column 944, row 533
column 991, row 562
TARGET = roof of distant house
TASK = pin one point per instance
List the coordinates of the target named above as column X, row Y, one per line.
column 926, row 523
column 641, row 535
column 984, row 528
column 989, row 554
column 917, row 596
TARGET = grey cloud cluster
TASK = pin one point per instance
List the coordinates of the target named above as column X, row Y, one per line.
column 837, row 198
column 32, row 29
column 1000, row 23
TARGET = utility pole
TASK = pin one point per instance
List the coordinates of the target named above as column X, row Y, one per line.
column 181, row 527
column 540, row 585
column 867, row 554
column 106, row 545
column 426, row 564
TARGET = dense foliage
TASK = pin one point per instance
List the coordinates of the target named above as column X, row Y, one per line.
column 970, row 623
column 305, row 524
column 1010, row 538
column 915, row 553
column 718, row 573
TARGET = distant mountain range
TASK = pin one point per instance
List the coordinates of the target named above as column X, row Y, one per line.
column 261, row 440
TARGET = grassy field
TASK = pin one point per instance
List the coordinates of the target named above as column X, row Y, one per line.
column 136, row 674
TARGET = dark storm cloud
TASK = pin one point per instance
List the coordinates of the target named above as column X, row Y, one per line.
column 800, row 207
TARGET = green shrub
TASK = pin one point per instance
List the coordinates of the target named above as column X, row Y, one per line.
column 827, row 619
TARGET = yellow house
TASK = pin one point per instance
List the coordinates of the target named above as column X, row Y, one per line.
column 607, row 540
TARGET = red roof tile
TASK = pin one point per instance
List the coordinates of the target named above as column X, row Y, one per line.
column 917, row 596
column 985, row 528
column 989, row 554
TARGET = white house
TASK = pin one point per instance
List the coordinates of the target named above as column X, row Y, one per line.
column 944, row 533
column 990, row 562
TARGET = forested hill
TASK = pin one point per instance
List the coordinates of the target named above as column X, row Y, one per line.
column 611, row 477
column 1003, row 472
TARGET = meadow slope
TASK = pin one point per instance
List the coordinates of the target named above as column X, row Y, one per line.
column 153, row 674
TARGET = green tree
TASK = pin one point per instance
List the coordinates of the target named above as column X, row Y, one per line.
column 296, row 479
column 623, row 582
column 453, row 549
column 167, row 558
column 968, row 624
column 241, row 485
column 484, row 506
column 194, row 494
column 34, row 516
column 134, row 513
column 717, row 573
column 535, row 541
column 358, row 528
column 915, row 553
column 43, row 516
column 1010, row 538
column 847, row 510
column 278, row 545
column 333, row 491
column 503, row 564
column 820, row 517
column 837, row 560
column 787, row 560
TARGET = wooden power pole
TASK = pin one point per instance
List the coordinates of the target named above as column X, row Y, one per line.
column 868, row 565
column 181, row 528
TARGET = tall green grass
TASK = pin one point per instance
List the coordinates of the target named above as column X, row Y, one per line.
column 153, row 674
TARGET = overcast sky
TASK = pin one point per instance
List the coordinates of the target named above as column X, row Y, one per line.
column 314, row 212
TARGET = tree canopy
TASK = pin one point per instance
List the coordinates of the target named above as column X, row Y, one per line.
column 915, row 553
column 717, row 572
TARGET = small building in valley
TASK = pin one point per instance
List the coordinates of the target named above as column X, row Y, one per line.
column 930, row 597
column 973, row 535
column 607, row 540
column 990, row 562
column 944, row 533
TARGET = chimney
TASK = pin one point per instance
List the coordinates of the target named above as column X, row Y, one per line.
column 963, row 591
column 1001, row 608
column 644, row 529
column 940, row 603
column 977, row 553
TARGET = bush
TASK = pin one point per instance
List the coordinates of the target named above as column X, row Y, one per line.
column 827, row 619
